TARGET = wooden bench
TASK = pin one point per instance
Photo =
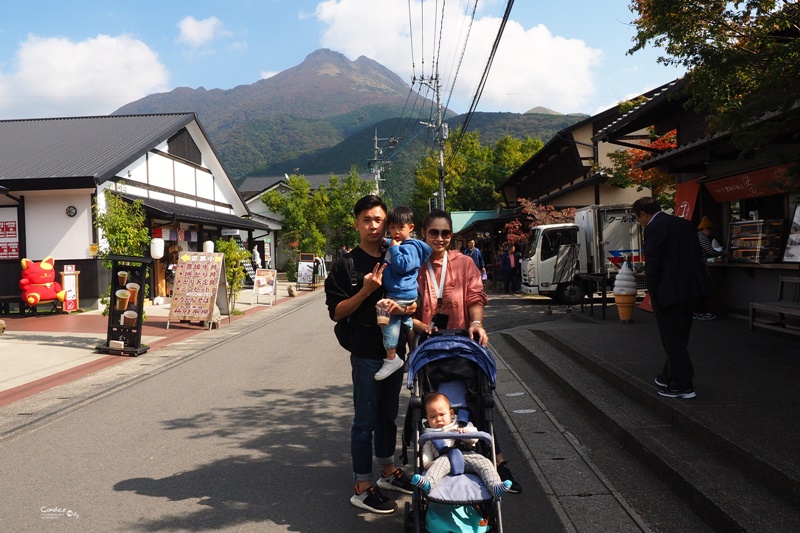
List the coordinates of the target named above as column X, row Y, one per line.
column 788, row 304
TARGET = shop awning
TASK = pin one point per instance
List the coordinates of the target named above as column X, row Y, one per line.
column 762, row 182
column 196, row 215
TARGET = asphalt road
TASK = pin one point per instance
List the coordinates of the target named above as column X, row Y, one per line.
column 248, row 432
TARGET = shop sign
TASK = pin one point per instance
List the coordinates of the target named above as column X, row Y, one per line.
column 748, row 185
column 685, row 199
column 9, row 239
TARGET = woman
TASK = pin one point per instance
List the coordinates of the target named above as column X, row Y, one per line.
column 451, row 289
column 459, row 296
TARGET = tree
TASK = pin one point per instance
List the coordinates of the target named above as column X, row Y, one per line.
column 743, row 59
column 124, row 231
column 473, row 173
column 310, row 220
column 535, row 215
column 624, row 172
column 235, row 256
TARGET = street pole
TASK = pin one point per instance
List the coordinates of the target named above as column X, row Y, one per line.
column 441, row 133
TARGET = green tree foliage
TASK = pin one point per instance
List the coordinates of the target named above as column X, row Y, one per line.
column 124, row 231
column 313, row 220
column 235, row 256
column 473, row 174
column 743, row 58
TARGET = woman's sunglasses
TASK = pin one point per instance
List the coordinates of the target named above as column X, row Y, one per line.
column 445, row 233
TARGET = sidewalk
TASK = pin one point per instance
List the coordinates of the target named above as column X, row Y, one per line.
column 38, row 353
column 739, row 435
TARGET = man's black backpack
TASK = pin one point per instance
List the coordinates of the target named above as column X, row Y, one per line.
column 342, row 327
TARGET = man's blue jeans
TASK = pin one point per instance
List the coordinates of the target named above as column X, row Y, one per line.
column 376, row 405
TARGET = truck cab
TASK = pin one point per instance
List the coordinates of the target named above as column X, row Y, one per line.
column 596, row 243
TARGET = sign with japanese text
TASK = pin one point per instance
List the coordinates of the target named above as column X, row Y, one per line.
column 9, row 237
column 197, row 279
column 763, row 182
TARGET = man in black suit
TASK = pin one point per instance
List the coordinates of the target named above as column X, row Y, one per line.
column 675, row 277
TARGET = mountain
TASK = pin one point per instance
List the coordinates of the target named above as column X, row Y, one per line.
column 321, row 116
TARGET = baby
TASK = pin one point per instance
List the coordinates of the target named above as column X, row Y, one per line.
column 440, row 417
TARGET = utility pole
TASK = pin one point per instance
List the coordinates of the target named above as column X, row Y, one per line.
column 377, row 165
column 441, row 129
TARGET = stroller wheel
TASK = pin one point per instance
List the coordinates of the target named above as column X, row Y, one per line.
column 408, row 524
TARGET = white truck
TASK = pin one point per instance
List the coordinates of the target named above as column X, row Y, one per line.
column 561, row 257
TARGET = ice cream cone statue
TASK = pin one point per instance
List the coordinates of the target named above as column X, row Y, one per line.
column 625, row 292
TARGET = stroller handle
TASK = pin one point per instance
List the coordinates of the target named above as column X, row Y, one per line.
column 432, row 435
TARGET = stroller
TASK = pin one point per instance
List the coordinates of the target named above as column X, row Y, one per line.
column 464, row 371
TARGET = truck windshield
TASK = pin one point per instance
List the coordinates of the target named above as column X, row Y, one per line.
column 533, row 240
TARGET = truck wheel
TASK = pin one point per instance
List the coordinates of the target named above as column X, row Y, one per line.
column 570, row 293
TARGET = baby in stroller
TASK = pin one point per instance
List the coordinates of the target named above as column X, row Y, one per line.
column 439, row 455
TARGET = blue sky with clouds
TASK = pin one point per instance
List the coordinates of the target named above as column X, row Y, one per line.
column 86, row 57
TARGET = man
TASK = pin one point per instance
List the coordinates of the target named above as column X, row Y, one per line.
column 375, row 402
column 675, row 277
column 510, row 263
column 476, row 256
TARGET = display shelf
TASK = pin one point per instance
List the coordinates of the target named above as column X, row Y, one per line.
column 755, row 241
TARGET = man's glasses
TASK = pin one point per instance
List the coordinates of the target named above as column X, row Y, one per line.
column 445, row 233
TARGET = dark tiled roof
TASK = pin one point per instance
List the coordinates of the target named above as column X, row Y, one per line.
column 652, row 99
column 95, row 147
column 187, row 213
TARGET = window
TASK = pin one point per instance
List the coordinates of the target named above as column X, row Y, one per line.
column 553, row 239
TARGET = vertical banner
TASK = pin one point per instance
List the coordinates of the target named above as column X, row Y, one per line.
column 686, row 198
column 69, row 282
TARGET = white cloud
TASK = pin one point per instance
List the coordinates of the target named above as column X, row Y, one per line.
column 196, row 33
column 532, row 67
column 59, row 77
column 268, row 74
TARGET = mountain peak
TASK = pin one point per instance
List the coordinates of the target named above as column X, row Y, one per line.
column 540, row 110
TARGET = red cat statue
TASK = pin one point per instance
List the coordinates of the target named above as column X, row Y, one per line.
column 39, row 283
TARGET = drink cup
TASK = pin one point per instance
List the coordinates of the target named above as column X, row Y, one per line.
column 129, row 318
column 123, row 297
column 383, row 315
column 133, row 288
column 122, row 278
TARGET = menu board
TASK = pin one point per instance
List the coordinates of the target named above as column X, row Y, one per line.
column 128, row 275
column 264, row 284
column 197, row 280
column 9, row 236
column 792, row 252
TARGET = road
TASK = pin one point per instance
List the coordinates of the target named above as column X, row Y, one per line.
column 249, row 431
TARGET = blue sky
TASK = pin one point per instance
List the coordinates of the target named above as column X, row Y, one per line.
column 89, row 58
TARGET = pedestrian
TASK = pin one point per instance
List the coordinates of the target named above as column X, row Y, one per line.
column 341, row 252
column 476, row 256
column 403, row 259
column 256, row 257
column 375, row 403
column 675, row 277
column 440, row 417
column 451, row 294
column 705, row 232
column 510, row 263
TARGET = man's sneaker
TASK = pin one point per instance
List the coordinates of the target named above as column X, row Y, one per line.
column 373, row 501
column 390, row 366
column 505, row 475
column 678, row 392
column 661, row 380
column 707, row 316
column 397, row 480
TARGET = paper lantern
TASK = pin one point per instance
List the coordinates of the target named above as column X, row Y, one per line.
column 157, row 248
column 208, row 247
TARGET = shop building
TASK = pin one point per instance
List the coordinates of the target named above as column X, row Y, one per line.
column 52, row 172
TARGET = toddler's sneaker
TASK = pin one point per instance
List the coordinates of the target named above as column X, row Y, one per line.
column 373, row 501
column 498, row 489
column 421, row 482
column 390, row 366
column 397, row 480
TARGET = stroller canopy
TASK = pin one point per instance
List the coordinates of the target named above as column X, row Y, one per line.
column 448, row 346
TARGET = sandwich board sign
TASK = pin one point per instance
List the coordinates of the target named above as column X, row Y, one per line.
column 265, row 284
column 198, row 279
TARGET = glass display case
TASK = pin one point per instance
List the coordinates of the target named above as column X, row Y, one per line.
column 755, row 241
